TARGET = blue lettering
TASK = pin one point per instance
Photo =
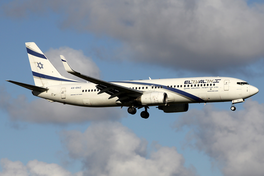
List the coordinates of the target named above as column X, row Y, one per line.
column 201, row 81
column 217, row 80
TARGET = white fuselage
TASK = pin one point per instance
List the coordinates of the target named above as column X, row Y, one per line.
column 169, row 95
column 179, row 90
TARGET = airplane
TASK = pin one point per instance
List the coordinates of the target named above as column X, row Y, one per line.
column 170, row 95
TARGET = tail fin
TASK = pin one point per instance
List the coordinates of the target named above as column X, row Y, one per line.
column 44, row 73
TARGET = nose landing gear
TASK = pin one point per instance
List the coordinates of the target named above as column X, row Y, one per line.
column 233, row 108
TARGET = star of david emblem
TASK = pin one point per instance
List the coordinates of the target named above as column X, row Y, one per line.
column 40, row 65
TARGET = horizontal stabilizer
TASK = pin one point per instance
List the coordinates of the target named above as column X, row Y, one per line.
column 28, row 86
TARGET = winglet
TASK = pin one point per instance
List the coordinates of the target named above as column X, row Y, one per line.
column 66, row 65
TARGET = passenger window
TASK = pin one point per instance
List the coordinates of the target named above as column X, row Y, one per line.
column 242, row 83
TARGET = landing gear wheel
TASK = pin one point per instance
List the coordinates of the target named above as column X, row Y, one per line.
column 233, row 108
column 132, row 110
column 144, row 114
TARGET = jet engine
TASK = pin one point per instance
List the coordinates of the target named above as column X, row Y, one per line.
column 153, row 98
column 175, row 108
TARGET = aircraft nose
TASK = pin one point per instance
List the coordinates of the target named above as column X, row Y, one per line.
column 253, row 90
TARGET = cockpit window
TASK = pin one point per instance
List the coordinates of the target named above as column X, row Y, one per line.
column 242, row 83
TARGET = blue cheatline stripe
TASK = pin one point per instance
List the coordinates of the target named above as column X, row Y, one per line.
column 34, row 53
column 63, row 60
column 183, row 93
column 50, row 77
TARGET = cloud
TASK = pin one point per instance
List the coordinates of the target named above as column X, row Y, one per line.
column 109, row 148
column 106, row 148
column 34, row 168
column 203, row 35
column 12, row 168
column 40, row 168
column 234, row 140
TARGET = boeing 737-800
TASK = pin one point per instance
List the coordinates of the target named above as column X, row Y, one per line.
column 169, row 95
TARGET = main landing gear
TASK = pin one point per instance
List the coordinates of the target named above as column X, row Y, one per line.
column 132, row 110
column 144, row 114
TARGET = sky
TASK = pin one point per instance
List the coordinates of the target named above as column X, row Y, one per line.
column 129, row 40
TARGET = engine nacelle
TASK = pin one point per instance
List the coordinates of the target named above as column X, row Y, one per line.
column 153, row 98
column 175, row 108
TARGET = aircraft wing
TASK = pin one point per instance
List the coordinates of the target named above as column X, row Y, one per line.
column 114, row 90
column 28, row 86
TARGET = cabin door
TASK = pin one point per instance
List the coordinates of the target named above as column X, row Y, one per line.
column 63, row 93
column 226, row 85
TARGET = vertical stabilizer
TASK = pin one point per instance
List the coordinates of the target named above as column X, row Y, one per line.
column 44, row 73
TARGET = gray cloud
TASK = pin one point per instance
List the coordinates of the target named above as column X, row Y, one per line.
column 106, row 148
column 202, row 35
column 109, row 148
column 234, row 140
column 33, row 168
column 12, row 168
